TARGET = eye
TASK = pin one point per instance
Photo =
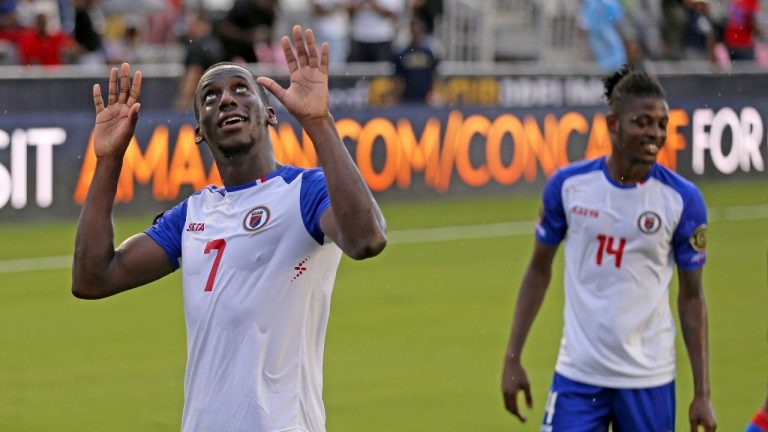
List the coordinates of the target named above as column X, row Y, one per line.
column 209, row 96
column 641, row 121
column 241, row 88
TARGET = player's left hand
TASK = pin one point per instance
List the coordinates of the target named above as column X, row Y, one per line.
column 700, row 413
column 307, row 95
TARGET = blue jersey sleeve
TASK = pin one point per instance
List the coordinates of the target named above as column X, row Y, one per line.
column 314, row 201
column 689, row 240
column 552, row 223
column 167, row 231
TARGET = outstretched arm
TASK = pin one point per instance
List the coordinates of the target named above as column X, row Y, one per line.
column 354, row 221
column 693, row 322
column 98, row 270
column 532, row 290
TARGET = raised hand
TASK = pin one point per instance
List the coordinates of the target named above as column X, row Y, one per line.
column 116, row 122
column 307, row 95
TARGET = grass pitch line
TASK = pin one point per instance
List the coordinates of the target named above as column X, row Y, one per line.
column 738, row 213
column 461, row 232
column 35, row 264
column 414, row 236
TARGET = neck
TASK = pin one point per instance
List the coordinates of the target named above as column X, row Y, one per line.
column 626, row 171
column 246, row 167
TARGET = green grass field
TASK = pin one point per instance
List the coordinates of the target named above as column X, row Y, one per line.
column 415, row 339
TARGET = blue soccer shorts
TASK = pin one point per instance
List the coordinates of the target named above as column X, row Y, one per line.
column 576, row 407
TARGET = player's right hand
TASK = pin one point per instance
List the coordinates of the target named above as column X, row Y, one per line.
column 513, row 381
column 116, row 122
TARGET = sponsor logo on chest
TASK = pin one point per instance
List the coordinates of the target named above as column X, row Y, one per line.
column 585, row 212
column 196, row 227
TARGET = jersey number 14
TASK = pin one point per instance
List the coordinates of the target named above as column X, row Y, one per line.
column 609, row 246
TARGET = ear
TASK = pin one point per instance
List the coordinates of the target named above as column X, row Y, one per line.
column 271, row 117
column 198, row 136
column 612, row 121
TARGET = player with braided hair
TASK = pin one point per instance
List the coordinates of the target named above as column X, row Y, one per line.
column 625, row 222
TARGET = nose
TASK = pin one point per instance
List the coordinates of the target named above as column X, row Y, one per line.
column 657, row 131
column 227, row 98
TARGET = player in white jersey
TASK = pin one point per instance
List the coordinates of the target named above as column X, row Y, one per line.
column 625, row 222
column 258, row 256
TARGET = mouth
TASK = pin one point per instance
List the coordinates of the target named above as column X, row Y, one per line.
column 652, row 148
column 232, row 121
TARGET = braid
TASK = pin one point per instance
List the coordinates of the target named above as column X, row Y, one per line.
column 629, row 82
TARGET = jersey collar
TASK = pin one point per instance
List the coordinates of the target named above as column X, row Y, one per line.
column 611, row 180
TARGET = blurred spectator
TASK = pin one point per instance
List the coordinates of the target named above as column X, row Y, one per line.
column 40, row 45
column 675, row 15
column 7, row 6
column 415, row 67
column 89, row 25
column 641, row 30
column 124, row 49
column 599, row 19
column 161, row 20
column 10, row 33
column 28, row 10
column 741, row 28
column 374, row 27
column 700, row 32
column 67, row 16
column 247, row 24
column 331, row 24
column 429, row 12
column 204, row 50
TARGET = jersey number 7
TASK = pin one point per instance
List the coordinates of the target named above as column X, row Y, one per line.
column 219, row 245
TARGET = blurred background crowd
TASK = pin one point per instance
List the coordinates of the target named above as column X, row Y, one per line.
column 410, row 36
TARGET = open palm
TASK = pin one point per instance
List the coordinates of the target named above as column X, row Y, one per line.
column 116, row 122
column 307, row 95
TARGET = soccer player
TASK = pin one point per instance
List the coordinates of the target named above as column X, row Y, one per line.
column 625, row 221
column 759, row 423
column 258, row 256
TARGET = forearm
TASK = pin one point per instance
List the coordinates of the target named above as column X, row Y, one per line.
column 94, row 240
column 188, row 85
column 693, row 323
column 529, row 300
column 361, row 225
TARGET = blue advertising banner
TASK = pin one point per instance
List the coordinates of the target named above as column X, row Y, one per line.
column 46, row 160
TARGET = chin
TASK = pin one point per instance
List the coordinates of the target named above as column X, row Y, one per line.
column 231, row 150
column 645, row 160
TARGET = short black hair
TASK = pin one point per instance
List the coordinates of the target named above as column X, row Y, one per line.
column 628, row 82
column 259, row 88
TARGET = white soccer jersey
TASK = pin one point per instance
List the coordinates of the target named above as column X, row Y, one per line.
column 621, row 243
column 257, row 281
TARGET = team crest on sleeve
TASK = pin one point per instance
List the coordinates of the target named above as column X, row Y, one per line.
column 256, row 219
column 649, row 222
column 699, row 239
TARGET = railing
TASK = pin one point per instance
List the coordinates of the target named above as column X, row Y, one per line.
column 499, row 30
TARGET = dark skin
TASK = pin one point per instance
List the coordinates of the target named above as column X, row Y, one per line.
column 638, row 132
column 765, row 406
column 243, row 153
